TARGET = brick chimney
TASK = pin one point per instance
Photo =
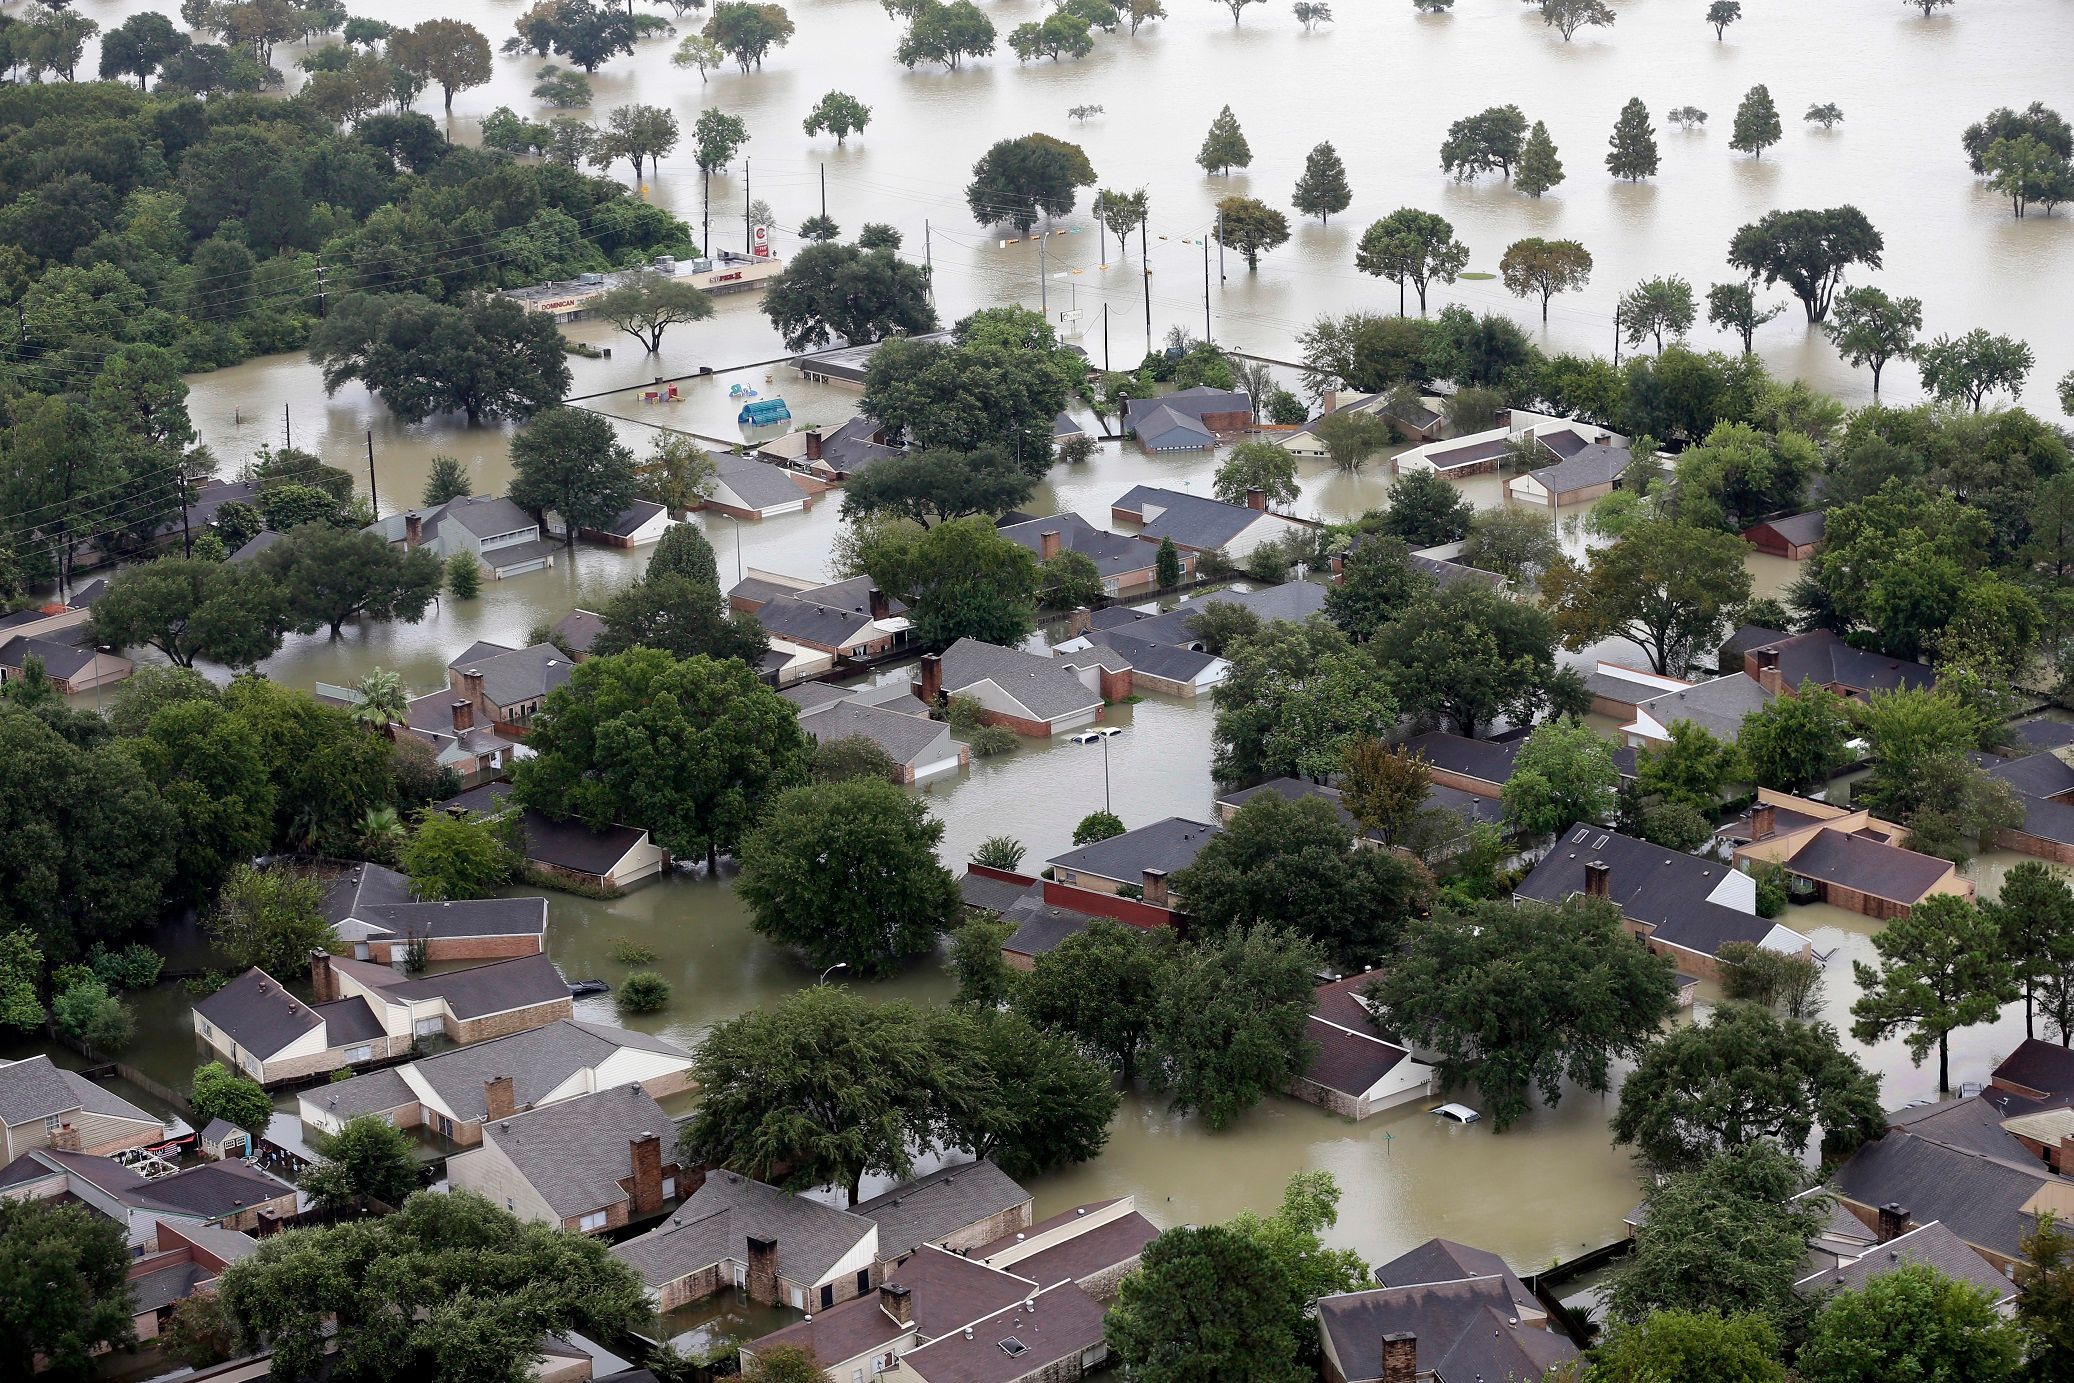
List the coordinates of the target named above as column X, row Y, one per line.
column 645, row 1194
column 897, row 1302
column 877, row 604
column 1893, row 1221
column 1765, row 662
column 1502, row 418
column 323, row 979
column 471, row 684
column 813, row 444
column 413, row 529
column 1598, row 880
column 464, row 716
column 65, row 1138
column 932, row 678
column 498, row 1101
column 1328, row 401
column 763, row 1270
column 1338, row 563
column 2065, row 1153
column 1764, row 821
column 1400, row 1356
column 1155, row 887
column 1256, row 498
column 1047, row 544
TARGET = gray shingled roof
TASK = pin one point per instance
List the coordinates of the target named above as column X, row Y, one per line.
column 1717, row 706
column 1188, row 403
column 1979, row 1198
column 1593, row 464
column 1869, row 866
column 476, row 990
column 1934, row 1244
column 812, row 1236
column 1170, row 661
column 1822, row 657
column 575, row 1152
column 1195, row 521
column 758, row 484
column 34, row 1088
column 682, row 1245
column 210, row 1190
column 255, row 1012
column 1039, row 926
column 364, row 886
column 1798, row 528
column 1041, row 686
column 578, row 630
column 2035, row 775
column 1112, row 553
column 632, row 517
column 485, row 516
column 517, row 675
column 537, row 1060
column 1647, row 882
column 906, row 737
column 1444, row 1260
column 1063, row 1323
column 1291, row 600
column 1467, row 1329
column 1171, row 845
column 364, row 1094
column 798, row 620
column 460, row 917
column 929, row 1208
column 2039, row 1065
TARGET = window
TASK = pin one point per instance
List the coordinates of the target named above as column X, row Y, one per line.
column 669, row 1188
column 594, row 1220
column 857, row 1375
column 827, row 1295
column 509, row 1206
column 863, row 1281
column 207, row 1031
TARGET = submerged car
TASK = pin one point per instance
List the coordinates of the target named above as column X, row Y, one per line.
column 1457, row 1113
column 579, row 988
column 1097, row 735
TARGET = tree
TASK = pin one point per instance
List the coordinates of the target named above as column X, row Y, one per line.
column 1097, row 826
column 483, row 1287
column 984, row 979
column 1796, row 742
column 2045, row 1305
column 1927, row 6
column 327, row 772
column 1296, row 865
column 1539, row 167
column 1665, row 587
column 830, row 290
column 1426, row 511
column 585, row 33
column 748, row 31
column 1942, row 967
column 635, row 133
column 1060, row 34
column 1808, row 251
column 1516, row 543
column 326, row 576
column 21, row 968
column 683, row 551
column 1534, row 267
column 2034, row 914
column 1566, row 17
column 1068, row 580
column 1731, row 1236
column 447, row 52
column 1229, row 1019
column 1385, row 788
column 1738, row 474
column 1721, row 14
column 995, row 852
column 1486, row 142
column 961, row 579
column 684, row 617
column 999, row 383
column 1692, row 767
column 852, row 756
column 139, row 46
column 445, row 479
column 1912, row 1323
column 1633, row 153
column 1121, row 212
column 1261, row 466
column 189, row 608
column 69, row 1293
column 570, row 460
column 270, row 918
column 1687, row 118
column 936, row 485
column 1293, row 699
column 1757, row 125
column 1322, row 189
column 453, row 857
column 83, row 1008
column 486, row 357
column 645, row 304
column 1166, row 565
column 1563, row 775
column 838, row 114
column 367, row 1159
column 1522, row 996
column 1656, row 306
column 1017, row 181
column 692, row 749
column 1744, row 1075
column 1251, row 227
column 1827, row 114
column 1224, row 147
column 946, row 33
column 1098, row 987
column 1206, row 1303
column 1351, row 439
column 1972, row 366
column 2038, row 121
column 1733, row 307
column 1375, row 584
column 1872, row 328
column 1689, row 1344
column 218, row 1092
column 847, row 872
column 1022, row 1098
column 1415, row 247
column 818, row 1090
column 1465, row 654
column 696, row 50
column 2025, row 170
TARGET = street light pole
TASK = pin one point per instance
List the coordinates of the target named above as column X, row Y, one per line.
column 839, row 965
column 738, row 545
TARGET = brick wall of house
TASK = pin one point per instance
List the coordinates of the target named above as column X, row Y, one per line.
column 458, row 948
column 1065, row 1370
column 685, row 1290
column 988, row 1230
column 2037, row 846
column 1852, row 900
column 1462, row 782
column 1338, row 1101
column 615, row 1218
column 1694, row 963
column 1035, row 729
column 1585, row 494
column 329, row 1060
column 1236, row 421
column 1486, row 467
column 1102, row 1285
column 672, row 1083
column 517, row 1020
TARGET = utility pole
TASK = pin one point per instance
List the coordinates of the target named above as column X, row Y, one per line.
column 1616, row 333
column 824, row 189
column 186, row 538
column 1206, row 291
column 287, row 431
column 1044, row 274
column 748, row 235
column 1105, row 338
column 1220, row 245
column 323, row 304
column 929, row 260
column 1145, row 272
column 373, row 501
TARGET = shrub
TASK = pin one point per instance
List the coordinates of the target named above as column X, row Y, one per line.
column 999, row 852
column 989, row 740
column 644, row 991
column 632, row 953
column 135, row 966
column 1097, row 826
column 965, row 713
column 464, row 576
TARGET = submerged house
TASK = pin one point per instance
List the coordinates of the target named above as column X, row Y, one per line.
column 1847, row 858
column 503, row 537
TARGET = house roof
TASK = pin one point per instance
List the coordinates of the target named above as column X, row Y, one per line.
column 1291, row 600
column 812, row 1236
column 1351, row 1054
column 511, row 676
column 2048, row 820
column 571, row 845
column 1039, row 926
column 1745, row 638
column 1041, row 686
column 990, row 894
column 1933, row 1244
column 1064, row 426
column 628, row 521
column 2044, row 774
column 802, row 621
column 945, row 1290
column 1171, row 845
column 1647, row 882
column 1444, row 1260
column 1112, row 553
column 459, row 917
column 1594, row 463
column 485, row 516
column 932, row 1207
column 61, row 658
column 1825, row 659
column 363, row 886
column 347, row 1021
column 1717, row 706
column 1489, row 761
column 1063, row 1322
column 758, row 484
column 1161, row 425
column 259, row 1015
column 906, row 737
column 209, row 1191
column 1195, row 521
column 1979, row 1197
column 370, row 1093
column 1868, row 866
column 810, row 696
column 162, row 1287
column 1085, row 1254
column 35, row 1088
column 2037, row 1065
column 1449, row 573
column 575, row 1152
column 218, row 1130
column 2037, row 732
column 1188, row 403
column 578, row 630
column 1707, row 927
column 1467, row 1329
column 1170, row 661
column 1795, row 529
column 682, row 1245
column 475, row 991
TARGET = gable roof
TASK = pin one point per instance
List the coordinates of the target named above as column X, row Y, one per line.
column 458, row 917
column 1716, row 706
column 1291, row 600
column 1980, row 1197
column 1933, row 1244
column 906, row 737
column 1084, row 1254
column 1064, row 425
column 1190, row 403
column 1467, row 1329
column 575, row 1152
column 513, row 675
column 812, row 1236
column 578, row 630
column 361, row 887
column 2036, row 1065
column 1172, row 662
column 259, row 1015
column 475, row 991
column 485, row 516
column 1161, row 424
column 1594, row 463
column 1825, row 659
column 1868, row 866
column 1795, row 529
column 2044, row 774
column 1171, row 845
column 1351, row 1054
column 1195, row 521
column 1444, row 1260
column 1039, row 926
column 1646, row 882
column 1056, row 1324
column 1041, row 686
column 946, row 1290
column 758, row 484
column 628, row 521
column 35, row 1088
column 1112, row 553
column 209, row 1190
column 931, row 1207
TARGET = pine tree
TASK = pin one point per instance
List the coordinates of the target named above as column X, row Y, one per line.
column 1539, row 168
column 1166, row 565
column 1757, row 125
column 1633, row 154
column 1323, row 188
column 1225, row 146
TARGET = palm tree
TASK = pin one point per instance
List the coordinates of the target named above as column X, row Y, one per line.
column 382, row 835
column 379, row 702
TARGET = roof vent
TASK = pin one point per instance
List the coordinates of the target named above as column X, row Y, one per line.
column 968, row 1332
column 1078, row 1210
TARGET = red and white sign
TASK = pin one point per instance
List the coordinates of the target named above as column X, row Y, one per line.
column 762, row 246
